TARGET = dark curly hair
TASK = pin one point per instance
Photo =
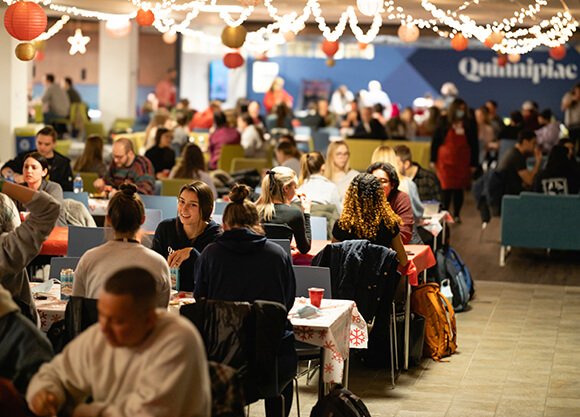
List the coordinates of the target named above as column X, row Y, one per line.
column 390, row 170
column 366, row 207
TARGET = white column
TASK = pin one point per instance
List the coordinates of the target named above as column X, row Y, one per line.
column 14, row 78
column 118, row 61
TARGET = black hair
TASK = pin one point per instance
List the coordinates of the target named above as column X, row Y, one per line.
column 390, row 170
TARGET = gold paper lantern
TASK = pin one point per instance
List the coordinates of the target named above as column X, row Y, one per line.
column 169, row 37
column 25, row 51
column 514, row 58
column 408, row 33
column 289, row 36
column 330, row 62
column 234, row 37
column 496, row 37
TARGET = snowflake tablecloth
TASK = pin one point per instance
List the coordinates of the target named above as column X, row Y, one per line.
column 50, row 310
column 98, row 206
column 338, row 328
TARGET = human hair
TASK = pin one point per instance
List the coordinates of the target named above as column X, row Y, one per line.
column 160, row 132
column 366, row 207
column 204, row 196
column 231, row 118
column 310, row 163
column 126, row 210
column 558, row 163
column 191, row 162
column 288, row 149
column 48, row 131
column 248, row 120
column 282, row 111
column 241, row 212
column 219, row 118
column 273, row 185
column 389, row 169
column 453, row 107
column 68, row 80
column 331, row 169
column 136, row 282
column 126, row 143
column 40, row 158
column 546, row 114
column 526, row 134
column 432, row 120
column 92, row 152
column 516, row 117
column 493, row 103
column 404, row 153
column 387, row 155
column 49, row 78
column 159, row 119
column 182, row 119
column 287, row 137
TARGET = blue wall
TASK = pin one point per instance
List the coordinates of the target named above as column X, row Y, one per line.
column 407, row 73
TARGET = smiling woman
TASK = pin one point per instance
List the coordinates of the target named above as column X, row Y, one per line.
column 181, row 240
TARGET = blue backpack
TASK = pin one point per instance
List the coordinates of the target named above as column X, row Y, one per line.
column 462, row 270
column 449, row 266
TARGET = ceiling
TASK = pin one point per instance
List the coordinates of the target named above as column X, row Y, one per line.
column 485, row 12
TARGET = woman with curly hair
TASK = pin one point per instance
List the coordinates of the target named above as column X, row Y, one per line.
column 368, row 215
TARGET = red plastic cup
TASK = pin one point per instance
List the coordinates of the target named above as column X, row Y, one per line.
column 316, row 296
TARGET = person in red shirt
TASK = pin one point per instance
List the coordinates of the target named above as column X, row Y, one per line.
column 166, row 92
column 277, row 94
column 204, row 119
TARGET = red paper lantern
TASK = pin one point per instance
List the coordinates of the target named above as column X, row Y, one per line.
column 145, row 17
column 362, row 46
column 502, row 60
column 330, row 47
column 39, row 55
column 488, row 42
column 459, row 42
column 233, row 60
column 558, row 52
column 25, row 20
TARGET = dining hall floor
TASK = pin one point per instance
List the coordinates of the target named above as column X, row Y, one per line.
column 517, row 342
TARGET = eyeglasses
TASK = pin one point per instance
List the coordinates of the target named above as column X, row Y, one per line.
column 342, row 154
column 384, row 180
column 119, row 156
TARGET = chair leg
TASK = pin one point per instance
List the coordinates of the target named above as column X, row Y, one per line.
column 392, row 358
column 394, row 314
column 297, row 396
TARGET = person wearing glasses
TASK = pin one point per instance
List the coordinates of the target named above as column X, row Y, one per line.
column 337, row 169
column 127, row 167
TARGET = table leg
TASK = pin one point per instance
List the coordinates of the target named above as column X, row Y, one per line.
column 407, row 321
column 345, row 374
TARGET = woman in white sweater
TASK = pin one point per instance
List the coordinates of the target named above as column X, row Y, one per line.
column 126, row 214
column 253, row 141
column 314, row 184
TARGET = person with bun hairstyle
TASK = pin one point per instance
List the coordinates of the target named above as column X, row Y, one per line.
column 242, row 265
column 181, row 240
column 368, row 215
column 314, row 184
column 126, row 214
column 278, row 190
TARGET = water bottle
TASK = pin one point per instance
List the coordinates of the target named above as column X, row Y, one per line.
column 66, row 283
column 78, row 184
column 174, row 272
column 10, row 176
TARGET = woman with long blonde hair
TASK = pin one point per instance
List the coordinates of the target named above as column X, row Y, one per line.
column 337, row 169
column 313, row 183
column 278, row 190
column 368, row 215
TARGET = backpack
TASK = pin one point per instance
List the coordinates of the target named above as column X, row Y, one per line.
column 463, row 271
column 447, row 270
column 440, row 327
column 340, row 402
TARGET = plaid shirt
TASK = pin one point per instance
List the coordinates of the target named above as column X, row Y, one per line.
column 140, row 173
column 428, row 184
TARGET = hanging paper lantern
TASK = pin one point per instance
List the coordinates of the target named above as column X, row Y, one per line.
column 289, row 36
column 488, row 42
column 118, row 27
column 514, row 58
column 502, row 60
column 169, row 37
column 145, row 17
column 25, row 51
column 330, row 62
column 362, row 46
column 39, row 55
column 558, row 52
column 496, row 37
column 234, row 37
column 233, row 60
column 25, row 20
column 459, row 42
column 39, row 45
column 408, row 33
column 330, row 47
column 248, row 3
column 369, row 7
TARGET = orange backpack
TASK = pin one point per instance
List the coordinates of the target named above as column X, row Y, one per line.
column 440, row 327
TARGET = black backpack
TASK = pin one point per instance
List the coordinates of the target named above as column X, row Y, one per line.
column 340, row 402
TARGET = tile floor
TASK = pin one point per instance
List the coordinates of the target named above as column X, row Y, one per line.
column 517, row 356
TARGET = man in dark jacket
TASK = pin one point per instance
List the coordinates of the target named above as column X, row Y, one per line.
column 59, row 169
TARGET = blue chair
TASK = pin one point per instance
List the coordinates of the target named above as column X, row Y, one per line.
column 81, row 239
column 82, row 197
column 59, row 263
column 312, row 276
column 152, row 219
column 167, row 205
column 285, row 243
column 321, row 140
column 318, row 228
column 219, row 207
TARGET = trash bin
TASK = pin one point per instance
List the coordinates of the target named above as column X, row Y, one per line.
column 25, row 139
